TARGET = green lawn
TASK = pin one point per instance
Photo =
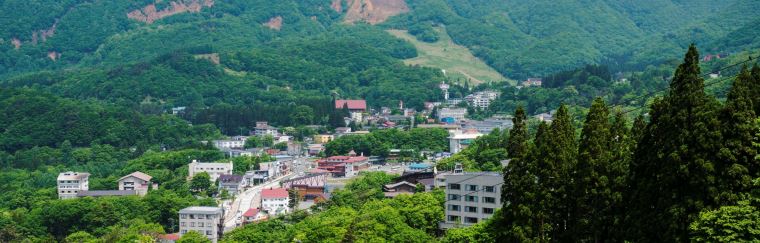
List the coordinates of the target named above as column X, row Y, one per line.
column 457, row 60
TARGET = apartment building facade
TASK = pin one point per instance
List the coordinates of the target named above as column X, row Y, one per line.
column 208, row 221
column 70, row 183
column 213, row 169
column 471, row 198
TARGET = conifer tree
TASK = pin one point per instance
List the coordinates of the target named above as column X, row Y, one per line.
column 517, row 145
column 538, row 207
column 554, row 175
column 518, row 189
column 593, row 186
column 738, row 165
column 637, row 130
column 672, row 177
column 623, row 146
column 754, row 88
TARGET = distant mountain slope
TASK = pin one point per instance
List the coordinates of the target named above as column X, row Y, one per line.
column 522, row 38
column 518, row 38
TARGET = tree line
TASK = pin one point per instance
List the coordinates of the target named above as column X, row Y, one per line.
column 671, row 176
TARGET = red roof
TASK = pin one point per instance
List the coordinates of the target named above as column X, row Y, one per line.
column 251, row 212
column 274, row 193
column 352, row 104
column 344, row 159
column 173, row 237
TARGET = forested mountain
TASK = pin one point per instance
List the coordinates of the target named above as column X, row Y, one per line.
column 518, row 38
column 532, row 38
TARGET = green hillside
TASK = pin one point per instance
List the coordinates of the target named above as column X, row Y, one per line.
column 457, row 60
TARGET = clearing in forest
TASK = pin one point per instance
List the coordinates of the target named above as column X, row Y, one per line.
column 457, row 60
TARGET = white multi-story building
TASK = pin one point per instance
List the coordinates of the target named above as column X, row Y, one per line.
column 456, row 113
column 213, row 169
column 263, row 128
column 459, row 140
column 230, row 144
column 482, row 99
column 208, row 221
column 70, row 183
column 471, row 197
column 275, row 201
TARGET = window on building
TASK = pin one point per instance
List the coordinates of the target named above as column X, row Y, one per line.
column 471, row 209
column 454, row 197
column 184, row 232
column 489, row 199
column 183, row 216
column 192, row 216
column 208, row 232
column 454, row 219
column 471, row 198
column 192, row 224
column 183, row 224
column 454, row 207
column 453, row 186
column 489, row 189
column 200, row 224
column 488, row 210
column 470, row 220
column 472, row 188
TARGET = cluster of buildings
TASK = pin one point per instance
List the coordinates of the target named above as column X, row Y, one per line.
column 471, row 197
column 77, row 184
column 235, row 146
column 344, row 166
column 482, row 99
column 222, row 172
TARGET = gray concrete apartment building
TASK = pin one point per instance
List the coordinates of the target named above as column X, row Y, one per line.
column 471, row 197
column 207, row 221
column 70, row 183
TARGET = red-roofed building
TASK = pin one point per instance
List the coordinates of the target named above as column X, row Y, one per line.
column 353, row 105
column 275, row 201
column 309, row 187
column 253, row 215
column 343, row 166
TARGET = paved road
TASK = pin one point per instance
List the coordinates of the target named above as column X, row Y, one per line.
column 251, row 198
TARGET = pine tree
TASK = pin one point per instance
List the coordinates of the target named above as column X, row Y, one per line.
column 672, row 177
column 518, row 190
column 593, row 188
column 554, row 175
column 738, row 165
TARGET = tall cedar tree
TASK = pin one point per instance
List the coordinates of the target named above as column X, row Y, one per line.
column 754, row 88
column 540, row 214
column 622, row 153
column 672, row 177
column 554, row 175
column 518, row 190
column 593, row 188
column 737, row 156
column 517, row 145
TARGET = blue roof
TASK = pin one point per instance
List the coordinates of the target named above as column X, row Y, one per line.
column 419, row 166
